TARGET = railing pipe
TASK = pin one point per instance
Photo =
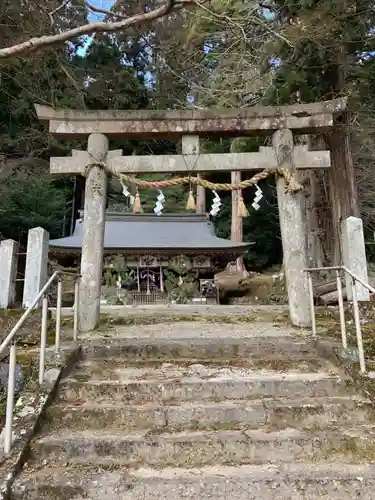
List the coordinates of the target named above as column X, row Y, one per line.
column 58, row 316
column 317, row 269
column 360, row 280
column 76, row 309
column 312, row 305
column 8, row 438
column 10, row 340
column 43, row 340
column 357, row 321
column 341, row 310
column 343, row 268
column 26, row 314
column 361, row 354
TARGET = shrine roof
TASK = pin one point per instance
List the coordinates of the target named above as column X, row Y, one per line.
column 149, row 232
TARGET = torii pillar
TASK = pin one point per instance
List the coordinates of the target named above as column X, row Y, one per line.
column 92, row 164
column 293, row 234
column 94, row 161
column 93, row 235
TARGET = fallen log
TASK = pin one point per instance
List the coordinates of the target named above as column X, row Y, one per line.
column 331, row 297
column 323, row 288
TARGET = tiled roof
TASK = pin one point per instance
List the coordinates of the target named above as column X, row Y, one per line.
column 148, row 231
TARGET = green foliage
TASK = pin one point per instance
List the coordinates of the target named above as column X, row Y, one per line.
column 115, row 269
column 220, row 60
column 181, row 280
column 32, row 201
column 175, row 197
column 110, row 83
column 260, row 227
column 112, row 276
column 321, row 58
column 56, row 77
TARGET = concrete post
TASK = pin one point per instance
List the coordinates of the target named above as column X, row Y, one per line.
column 237, row 223
column 354, row 255
column 8, row 272
column 293, row 235
column 190, row 146
column 93, row 235
column 36, row 271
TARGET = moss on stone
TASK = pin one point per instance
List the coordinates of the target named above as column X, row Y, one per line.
column 330, row 328
column 131, row 320
column 352, row 449
column 57, row 492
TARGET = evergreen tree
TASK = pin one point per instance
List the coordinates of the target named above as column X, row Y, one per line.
column 29, row 196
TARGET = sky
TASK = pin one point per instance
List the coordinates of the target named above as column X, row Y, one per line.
column 103, row 4
column 93, row 17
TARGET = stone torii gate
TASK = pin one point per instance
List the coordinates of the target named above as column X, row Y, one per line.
column 190, row 125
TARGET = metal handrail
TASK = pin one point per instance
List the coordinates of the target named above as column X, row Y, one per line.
column 342, row 268
column 353, row 278
column 11, row 341
column 28, row 311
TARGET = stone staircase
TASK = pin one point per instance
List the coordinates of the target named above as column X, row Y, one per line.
column 203, row 411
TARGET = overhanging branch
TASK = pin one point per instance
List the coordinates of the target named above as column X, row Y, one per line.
column 42, row 42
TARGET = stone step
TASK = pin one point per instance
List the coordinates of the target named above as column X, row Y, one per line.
column 297, row 482
column 240, row 384
column 200, row 448
column 316, row 413
column 204, row 348
column 116, row 368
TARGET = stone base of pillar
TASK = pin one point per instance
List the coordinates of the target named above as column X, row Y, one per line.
column 36, row 271
column 8, row 272
column 354, row 255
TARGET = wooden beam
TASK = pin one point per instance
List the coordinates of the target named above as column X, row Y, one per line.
column 237, row 222
column 191, row 164
column 190, row 146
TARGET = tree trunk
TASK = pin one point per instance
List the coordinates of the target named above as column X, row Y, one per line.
column 311, row 203
column 342, row 179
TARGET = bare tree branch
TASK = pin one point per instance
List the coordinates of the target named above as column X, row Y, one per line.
column 42, row 42
column 51, row 13
column 55, row 11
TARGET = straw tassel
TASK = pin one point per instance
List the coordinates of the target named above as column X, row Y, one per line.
column 241, row 208
column 137, row 207
column 190, row 205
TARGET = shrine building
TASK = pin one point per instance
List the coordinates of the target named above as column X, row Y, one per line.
column 148, row 244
